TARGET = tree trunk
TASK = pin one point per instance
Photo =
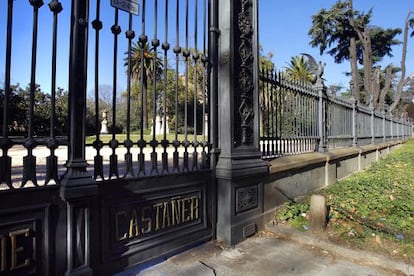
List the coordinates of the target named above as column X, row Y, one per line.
column 354, row 62
column 388, row 80
column 400, row 85
column 369, row 81
column 354, row 69
column 376, row 87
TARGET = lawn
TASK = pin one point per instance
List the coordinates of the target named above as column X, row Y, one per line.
column 371, row 210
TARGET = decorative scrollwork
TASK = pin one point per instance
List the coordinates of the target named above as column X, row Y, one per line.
column 245, row 25
column 245, row 51
column 247, row 198
column 246, row 112
column 245, row 81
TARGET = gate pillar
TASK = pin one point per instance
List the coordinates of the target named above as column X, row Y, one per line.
column 240, row 167
column 78, row 188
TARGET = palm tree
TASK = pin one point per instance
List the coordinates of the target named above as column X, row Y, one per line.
column 150, row 69
column 299, row 69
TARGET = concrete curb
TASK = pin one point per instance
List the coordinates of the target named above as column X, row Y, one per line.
column 358, row 256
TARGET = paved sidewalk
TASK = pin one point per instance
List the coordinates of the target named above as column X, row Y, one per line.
column 276, row 251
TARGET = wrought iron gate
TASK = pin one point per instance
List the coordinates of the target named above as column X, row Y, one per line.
column 126, row 179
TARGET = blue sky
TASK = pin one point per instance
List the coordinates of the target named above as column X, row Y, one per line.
column 283, row 28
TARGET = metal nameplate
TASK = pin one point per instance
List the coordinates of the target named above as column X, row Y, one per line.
column 130, row 6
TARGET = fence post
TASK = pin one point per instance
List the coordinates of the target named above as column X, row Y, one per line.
column 240, row 167
column 78, row 188
column 372, row 125
column 398, row 128
column 383, row 126
column 392, row 127
column 354, row 122
column 322, row 117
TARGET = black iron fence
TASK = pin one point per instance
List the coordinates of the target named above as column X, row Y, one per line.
column 298, row 117
column 145, row 89
column 105, row 141
column 289, row 116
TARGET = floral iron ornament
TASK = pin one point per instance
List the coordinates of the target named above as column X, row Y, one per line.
column 245, row 80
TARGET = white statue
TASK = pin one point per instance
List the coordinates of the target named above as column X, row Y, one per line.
column 104, row 128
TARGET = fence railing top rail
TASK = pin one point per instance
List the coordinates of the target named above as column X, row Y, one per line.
column 364, row 109
column 340, row 101
column 278, row 79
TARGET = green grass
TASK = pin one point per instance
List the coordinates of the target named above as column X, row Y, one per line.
column 373, row 209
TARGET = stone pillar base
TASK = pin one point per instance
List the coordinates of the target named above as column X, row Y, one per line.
column 239, row 198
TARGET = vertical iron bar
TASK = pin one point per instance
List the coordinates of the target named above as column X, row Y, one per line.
column 268, row 108
column 205, row 64
column 113, row 159
column 186, row 54
column 398, row 128
column 292, row 120
column 195, row 57
column 299, row 121
column 51, row 161
column 155, row 43
column 261, row 114
column 281, row 109
column 213, row 99
column 309, row 122
column 315, row 122
column 301, row 136
column 321, row 121
column 98, row 159
column 372, row 126
column 302, row 121
column 7, row 71
column 142, row 143
column 264, row 111
column 78, row 187
column 5, row 142
column 177, row 51
column 165, row 47
column 129, row 170
column 76, row 163
column 306, row 118
column 270, row 117
column 295, row 119
column 29, row 161
column 278, row 112
column 272, row 112
column 354, row 123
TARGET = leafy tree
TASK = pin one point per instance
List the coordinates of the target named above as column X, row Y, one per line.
column 145, row 64
column 409, row 22
column 104, row 103
column 18, row 108
column 298, row 69
column 335, row 89
column 170, row 86
column 16, row 111
column 61, row 109
column 346, row 34
column 267, row 69
column 409, row 108
column 265, row 60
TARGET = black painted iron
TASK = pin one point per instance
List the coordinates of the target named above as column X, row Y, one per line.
column 58, row 210
column 72, row 204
